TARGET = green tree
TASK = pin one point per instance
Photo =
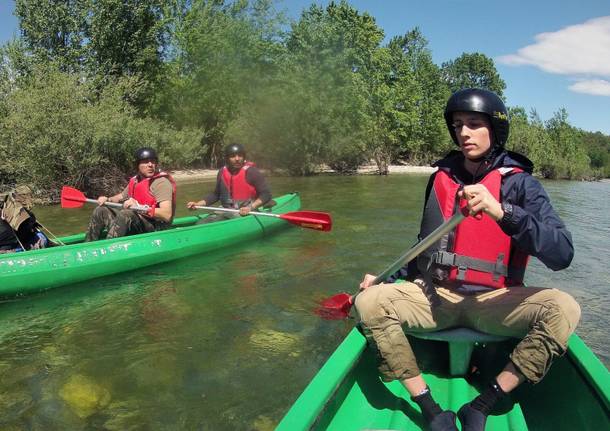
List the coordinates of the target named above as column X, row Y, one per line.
column 55, row 31
column 429, row 138
column 368, row 124
column 529, row 137
column 572, row 160
column 225, row 53
column 55, row 133
column 473, row 70
column 101, row 40
column 129, row 38
column 15, row 66
column 315, row 110
column 597, row 146
column 391, row 114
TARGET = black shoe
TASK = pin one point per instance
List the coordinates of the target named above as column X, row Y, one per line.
column 471, row 419
column 444, row 421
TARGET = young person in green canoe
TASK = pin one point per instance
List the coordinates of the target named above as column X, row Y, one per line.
column 149, row 187
column 239, row 185
column 473, row 277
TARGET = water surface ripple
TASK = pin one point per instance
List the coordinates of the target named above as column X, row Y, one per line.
column 227, row 341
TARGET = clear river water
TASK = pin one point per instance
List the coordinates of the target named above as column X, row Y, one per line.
column 227, row 341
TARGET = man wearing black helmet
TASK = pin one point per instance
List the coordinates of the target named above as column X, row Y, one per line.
column 239, row 185
column 473, row 277
column 149, row 188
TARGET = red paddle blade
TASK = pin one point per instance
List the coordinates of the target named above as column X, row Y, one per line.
column 309, row 219
column 72, row 198
column 336, row 307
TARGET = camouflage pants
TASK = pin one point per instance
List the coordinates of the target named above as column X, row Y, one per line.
column 119, row 223
column 543, row 319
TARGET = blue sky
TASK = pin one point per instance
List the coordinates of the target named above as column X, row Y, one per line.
column 552, row 54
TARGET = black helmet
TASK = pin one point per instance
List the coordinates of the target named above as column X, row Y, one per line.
column 234, row 149
column 483, row 101
column 146, row 153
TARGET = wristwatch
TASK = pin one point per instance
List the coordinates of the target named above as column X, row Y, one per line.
column 508, row 212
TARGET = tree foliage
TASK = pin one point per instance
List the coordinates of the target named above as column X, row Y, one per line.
column 597, row 146
column 56, row 134
column 55, row 31
column 224, row 53
column 88, row 81
column 429, row 136
column 312, row 111
column 100, row 39
column 473, row 70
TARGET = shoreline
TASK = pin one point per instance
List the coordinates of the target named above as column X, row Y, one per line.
column 201, row 174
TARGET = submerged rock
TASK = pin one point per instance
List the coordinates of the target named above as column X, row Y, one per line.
column 84, row 396
column 264, row 423
column 271, row 341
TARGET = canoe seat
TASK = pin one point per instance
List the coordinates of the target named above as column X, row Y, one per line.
column 461, row 343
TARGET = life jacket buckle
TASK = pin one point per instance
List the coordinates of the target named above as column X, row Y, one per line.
column 499, row 268
column 444, row 258
column 461, row 273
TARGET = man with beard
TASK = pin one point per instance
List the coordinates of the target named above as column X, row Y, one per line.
column 239, row 185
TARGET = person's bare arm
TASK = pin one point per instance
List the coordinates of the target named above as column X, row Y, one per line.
column 163, row 211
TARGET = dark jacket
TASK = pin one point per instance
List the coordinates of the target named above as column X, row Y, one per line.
column 535, row 227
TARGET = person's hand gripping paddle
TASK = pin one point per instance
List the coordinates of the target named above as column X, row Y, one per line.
column 74, row 198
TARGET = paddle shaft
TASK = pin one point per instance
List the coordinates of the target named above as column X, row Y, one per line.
column 117, row 205
column 342, row 303
column 418, row 248
column 231, row 210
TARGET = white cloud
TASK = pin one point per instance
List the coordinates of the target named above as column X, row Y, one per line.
column 582, row 49
column 597, row 87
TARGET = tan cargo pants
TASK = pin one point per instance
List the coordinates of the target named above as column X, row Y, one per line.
column 543, row 319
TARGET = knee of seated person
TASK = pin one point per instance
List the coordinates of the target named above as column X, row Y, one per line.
column 368, row 305
column 101, row 209
column 126, row 214
column 564, row 305
column 570, row 308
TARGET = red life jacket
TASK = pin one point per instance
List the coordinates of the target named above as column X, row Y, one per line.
column 477, row 251
column 140, row 190
column 239, row 189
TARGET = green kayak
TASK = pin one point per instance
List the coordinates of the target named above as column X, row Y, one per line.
column 347, row 393
column 33, row 271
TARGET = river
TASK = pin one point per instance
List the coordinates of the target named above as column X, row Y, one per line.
column 228, row 341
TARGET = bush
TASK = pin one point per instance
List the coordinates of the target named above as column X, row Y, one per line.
column 58, row 131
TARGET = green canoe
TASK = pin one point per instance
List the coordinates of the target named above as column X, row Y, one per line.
column 33, row 271
column 347, row 393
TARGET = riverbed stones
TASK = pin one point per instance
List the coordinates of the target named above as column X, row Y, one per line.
column 84, row 395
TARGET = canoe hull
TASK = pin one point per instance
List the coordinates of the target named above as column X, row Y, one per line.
column 34, row 271
column 347, row 393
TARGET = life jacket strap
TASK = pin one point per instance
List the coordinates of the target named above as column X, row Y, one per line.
column 462, row 263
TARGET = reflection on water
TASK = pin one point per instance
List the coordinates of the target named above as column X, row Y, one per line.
column 228, row 341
